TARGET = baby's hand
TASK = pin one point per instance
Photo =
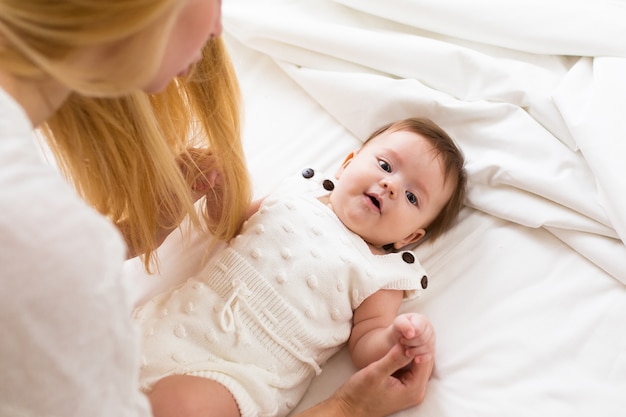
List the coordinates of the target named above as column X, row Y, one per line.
column 199, row 168
column 416, row 333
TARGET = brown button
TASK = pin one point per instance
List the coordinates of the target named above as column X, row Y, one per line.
column 424, row 282
column 308, row 173
column 328, row 185
column 408, row 257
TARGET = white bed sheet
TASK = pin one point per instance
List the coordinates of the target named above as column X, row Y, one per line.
column 527, row 292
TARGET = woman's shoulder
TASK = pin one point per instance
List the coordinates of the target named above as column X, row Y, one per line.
column 45, row 227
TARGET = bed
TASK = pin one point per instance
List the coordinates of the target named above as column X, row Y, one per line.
column 527, row 292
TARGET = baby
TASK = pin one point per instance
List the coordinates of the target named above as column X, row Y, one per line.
column 319, row 263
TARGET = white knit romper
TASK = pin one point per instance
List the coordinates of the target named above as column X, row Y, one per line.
column 267, row 312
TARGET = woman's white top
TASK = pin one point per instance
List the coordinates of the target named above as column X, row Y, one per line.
column 68, row 347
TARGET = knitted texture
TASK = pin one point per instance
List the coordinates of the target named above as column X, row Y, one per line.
column 274, row 306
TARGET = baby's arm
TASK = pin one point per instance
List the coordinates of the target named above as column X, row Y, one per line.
column 378, row 327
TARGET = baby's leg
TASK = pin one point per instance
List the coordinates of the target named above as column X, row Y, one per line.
column 191, row 396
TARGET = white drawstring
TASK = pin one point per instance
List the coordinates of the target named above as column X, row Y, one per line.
column 230, row 322
column 229, row 316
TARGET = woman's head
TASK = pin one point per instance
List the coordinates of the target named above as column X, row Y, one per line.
column 105, row 48
column 119, row 146
column 195, row 23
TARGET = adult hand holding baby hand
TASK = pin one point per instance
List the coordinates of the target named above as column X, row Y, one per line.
column 416, row 333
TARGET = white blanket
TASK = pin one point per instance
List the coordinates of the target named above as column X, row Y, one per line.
column 527, row 292
column 542, row 133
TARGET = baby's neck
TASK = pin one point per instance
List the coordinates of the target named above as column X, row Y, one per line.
column 376, row 250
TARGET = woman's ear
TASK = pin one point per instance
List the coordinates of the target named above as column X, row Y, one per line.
column 412, row 238
column 345, row 163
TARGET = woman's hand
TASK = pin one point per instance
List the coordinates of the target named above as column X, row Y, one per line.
column 384, row 387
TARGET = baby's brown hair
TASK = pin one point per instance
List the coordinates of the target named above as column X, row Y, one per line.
column 453, row 164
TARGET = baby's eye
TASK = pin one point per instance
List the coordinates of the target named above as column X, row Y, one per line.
column 384, row 165
column 411, row 197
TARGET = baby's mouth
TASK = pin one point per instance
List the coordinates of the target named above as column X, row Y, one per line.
column 374, row 201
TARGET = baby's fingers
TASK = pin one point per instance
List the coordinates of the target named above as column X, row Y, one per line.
column 423, row 332
column 404, row 327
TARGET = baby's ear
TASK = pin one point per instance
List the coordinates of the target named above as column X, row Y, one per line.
column 412, row 238
column 345, row 163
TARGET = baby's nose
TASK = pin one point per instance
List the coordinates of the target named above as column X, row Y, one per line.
column 388, row 184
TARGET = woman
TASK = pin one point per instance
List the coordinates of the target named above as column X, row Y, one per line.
column 79, row 70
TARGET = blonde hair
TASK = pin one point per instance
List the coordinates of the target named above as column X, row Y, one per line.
column 123, row 153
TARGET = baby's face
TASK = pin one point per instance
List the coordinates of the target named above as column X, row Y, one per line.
column 391, row 189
